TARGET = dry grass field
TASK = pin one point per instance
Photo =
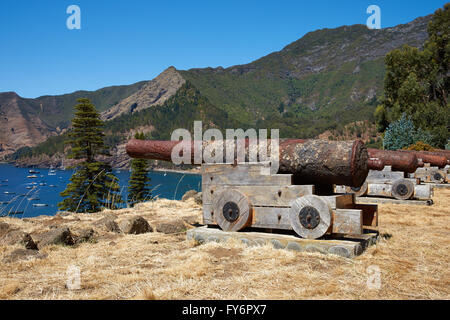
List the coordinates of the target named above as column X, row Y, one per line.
column 413, row 260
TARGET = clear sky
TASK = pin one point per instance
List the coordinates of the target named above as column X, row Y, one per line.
column 122, row 42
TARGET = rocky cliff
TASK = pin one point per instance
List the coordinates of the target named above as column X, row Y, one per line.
column 154, row 92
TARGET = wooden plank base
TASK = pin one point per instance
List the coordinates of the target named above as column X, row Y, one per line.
column 345, row 246
column 367, row 200
column 438, row 185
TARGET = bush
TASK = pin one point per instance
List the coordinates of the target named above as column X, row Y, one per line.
column 420, row 146
column 402, row 133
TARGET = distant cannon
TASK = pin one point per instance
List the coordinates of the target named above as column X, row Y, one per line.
column 436, row 168
column 396, row 179
column 434, row 158
column 399, row 161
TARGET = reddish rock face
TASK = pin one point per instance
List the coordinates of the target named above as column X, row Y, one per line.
column 17, row 129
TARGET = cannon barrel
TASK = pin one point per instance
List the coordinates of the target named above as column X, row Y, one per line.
column 375, row 164
column 309, row 161
column 399, row 161
column 433, row 158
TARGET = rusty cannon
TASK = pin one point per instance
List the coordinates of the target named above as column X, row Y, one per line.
column 396, row 180
column 248, row 195
column 432, row 158
column 436, row 168
column 309, row 161
column 398, row 161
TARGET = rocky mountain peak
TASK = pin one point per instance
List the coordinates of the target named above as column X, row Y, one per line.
column 154, row 92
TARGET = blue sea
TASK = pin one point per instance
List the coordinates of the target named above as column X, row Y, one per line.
column 22, row 196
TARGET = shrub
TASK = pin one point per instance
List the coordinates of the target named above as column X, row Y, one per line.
column 402, row 133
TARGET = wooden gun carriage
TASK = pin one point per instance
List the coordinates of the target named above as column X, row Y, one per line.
column 246, row 195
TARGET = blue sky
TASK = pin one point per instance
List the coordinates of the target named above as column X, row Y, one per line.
column 122, row 42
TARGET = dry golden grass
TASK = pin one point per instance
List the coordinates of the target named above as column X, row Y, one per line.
column 414, row 262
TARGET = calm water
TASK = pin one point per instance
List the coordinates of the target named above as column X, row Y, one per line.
column 19, row 193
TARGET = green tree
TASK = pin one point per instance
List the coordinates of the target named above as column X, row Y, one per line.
column 402, row 133
column 93, row 186
column 138, row 189
column 417, row 82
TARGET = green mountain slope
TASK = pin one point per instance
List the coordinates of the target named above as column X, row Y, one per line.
column 326, row 79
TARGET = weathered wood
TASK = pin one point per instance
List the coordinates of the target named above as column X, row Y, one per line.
column 439, row 185
column 369, row 213
column 278, row 218
column 431, row 174
column 300, row 214
column 208, row 214
column 402, row 189
column 347, row 221
column 379, row 189
column 279, row 205
column 423, row 191
column 361, row 191
column 223, row 198
column 350, row 247
column 364, row 200
column 342, row 201
column 240, row 175
column 268, row 196
column 340, row 189
column 271, row 217
column 384, row 175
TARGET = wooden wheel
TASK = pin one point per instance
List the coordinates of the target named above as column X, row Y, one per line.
column 437, row 176
column 310, row 216
column 232, row 209
column 402, row 189
column 361, row 191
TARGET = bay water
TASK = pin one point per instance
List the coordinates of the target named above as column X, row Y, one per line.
column 30, row 194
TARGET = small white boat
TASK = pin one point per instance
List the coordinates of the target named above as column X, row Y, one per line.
column 33, row 199
column 33, row 171
column 52, row 186
column 32, row 176
column 40, row 205
column 42, row 184
column 8, row 192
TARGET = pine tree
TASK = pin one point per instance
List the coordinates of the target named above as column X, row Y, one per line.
column 138, row 189
column 93, row 186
